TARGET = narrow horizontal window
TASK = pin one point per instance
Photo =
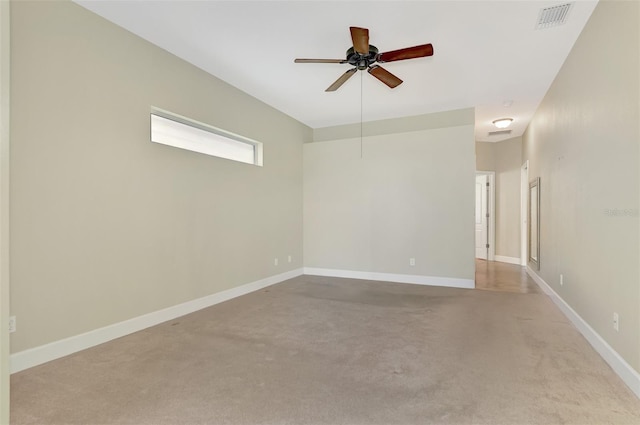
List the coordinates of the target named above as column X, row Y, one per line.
column 197, row 137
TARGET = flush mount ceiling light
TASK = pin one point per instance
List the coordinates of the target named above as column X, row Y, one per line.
column 503, row 122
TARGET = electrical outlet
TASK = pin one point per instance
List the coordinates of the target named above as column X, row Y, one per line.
column 561, row 280
column 289, row 258
column 616, row 321
column 412, row 261
column 275, row 261
column 12, row 324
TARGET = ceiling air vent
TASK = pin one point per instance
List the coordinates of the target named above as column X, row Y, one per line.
column 553, row 16
column 499, row 132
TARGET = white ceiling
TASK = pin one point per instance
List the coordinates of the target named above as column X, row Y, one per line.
column 486, row 53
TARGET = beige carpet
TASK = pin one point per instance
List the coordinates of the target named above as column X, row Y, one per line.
column 338, row 351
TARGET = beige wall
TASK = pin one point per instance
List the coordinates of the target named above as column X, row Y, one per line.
column 583, row 143
column 107, row 226
column 485, row 158
column 505, row 158
column 396, row 125
column 410, row 195
column 4, row 210
column 508, row 157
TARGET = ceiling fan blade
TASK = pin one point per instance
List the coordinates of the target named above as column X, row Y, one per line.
column 360, row 38
column 320, row 61
column 408, row 53
column 340, row 81
column 385, row 76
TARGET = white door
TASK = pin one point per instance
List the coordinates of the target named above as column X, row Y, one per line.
column 481, row 216
column 524, row 203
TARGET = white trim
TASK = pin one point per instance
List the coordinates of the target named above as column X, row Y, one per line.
column 510, row 260
column 392, row 277
column 54, row 350
column 628, row 374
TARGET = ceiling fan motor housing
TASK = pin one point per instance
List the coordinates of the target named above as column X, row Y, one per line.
column 360, row 61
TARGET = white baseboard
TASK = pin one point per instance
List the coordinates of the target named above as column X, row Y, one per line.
column 391, row 277
column 628, row 374
column 54, row 350
column 505, row 259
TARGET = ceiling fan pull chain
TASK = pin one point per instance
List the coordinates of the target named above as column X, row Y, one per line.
column 361, row 148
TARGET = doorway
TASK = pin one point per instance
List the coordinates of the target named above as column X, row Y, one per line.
column 485, row 221
column 524, row 202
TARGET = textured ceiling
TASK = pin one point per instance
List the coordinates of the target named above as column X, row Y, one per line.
column 488, row 54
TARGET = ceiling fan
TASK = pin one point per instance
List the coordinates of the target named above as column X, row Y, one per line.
column 364, row 56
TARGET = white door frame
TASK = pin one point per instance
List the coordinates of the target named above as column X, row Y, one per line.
column 491, row 204
column 4, row 210
column 524, row 202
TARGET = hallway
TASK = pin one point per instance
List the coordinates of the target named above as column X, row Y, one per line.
column 503, row 277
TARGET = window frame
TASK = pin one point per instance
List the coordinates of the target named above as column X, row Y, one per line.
column 228, row 135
